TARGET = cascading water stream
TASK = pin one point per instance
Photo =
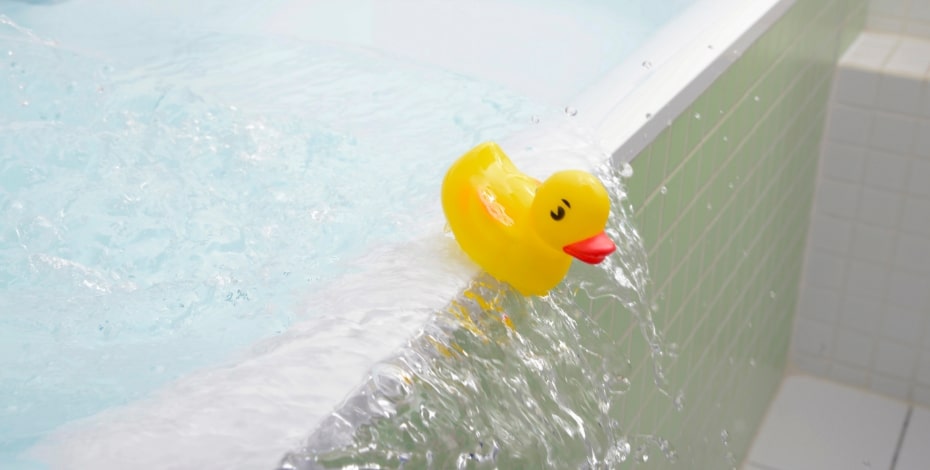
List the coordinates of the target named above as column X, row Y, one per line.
column 497, row 380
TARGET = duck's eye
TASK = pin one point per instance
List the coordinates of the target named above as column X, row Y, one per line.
column 559, row 213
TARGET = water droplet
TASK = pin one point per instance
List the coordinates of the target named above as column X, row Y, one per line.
column 710, row 46
column 679, row 401
column 720, row 112
column 617, row 384
column 648, row 115
column 647, row 64
column 755, row 98
column 534, row 119
column 654, row 307
column 772, row 294
column 697, row 115
column 726, row 139
column 752, row 362
column 731, row 185
column 9, row 53
column 626, row 170
column 725, row 437
column 570, row 111
column 710, row 207
column 25, row 103
column 663, row 190
column 668, row 123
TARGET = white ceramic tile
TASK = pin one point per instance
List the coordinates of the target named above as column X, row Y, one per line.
column 869, row 50
column 913, row 253
column 899, row 94
column 923, row 368
column 886, row 170
column 887, row 24
column 837, row 198
column 831, row 234
column 909, row 290
column 889, row 7
column 817, row 425
column 895, row 359
column 904, row 325
column 861, row 313
column 918, row 182
column 920, row 10
column 844, row 162
column 853, row 348
column 915, row 217
column 812, row 337
column 915, row 453
column 893, row 133
column 814, row 365
column 922, row 143
column 826, row 269
column 867, row 279
column 819, row 303
column 855, row 376
column 921, row 395
column 910, row 59
column 880, row 207
column 849, row 124
column 890, row 387
column 873, row 243
column 856, row 86
column 917, row 28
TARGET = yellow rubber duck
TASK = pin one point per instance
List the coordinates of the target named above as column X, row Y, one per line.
column 518, row 229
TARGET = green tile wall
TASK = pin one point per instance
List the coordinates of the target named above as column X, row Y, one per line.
column 722, row 200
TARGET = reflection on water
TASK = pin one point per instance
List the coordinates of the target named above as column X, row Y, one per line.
column 497, row 380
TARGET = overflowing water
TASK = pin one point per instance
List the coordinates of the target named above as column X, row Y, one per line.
column 497, row 380
column 169, row 200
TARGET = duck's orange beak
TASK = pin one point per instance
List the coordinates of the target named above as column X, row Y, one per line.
column 591, row 250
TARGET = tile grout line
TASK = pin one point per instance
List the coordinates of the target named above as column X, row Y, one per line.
column 904, row 426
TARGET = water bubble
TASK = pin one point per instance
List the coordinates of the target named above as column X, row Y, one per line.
column 697, row 115
column 663, row 190
column 710, row 207
column 626, row 170
column 726, row 139
column 617, row 384
column 9, row 53
column 534, row 119
column 570, row 111
column 756, row 98
column 647, row 64
column 679, row 402
column 720, row 112
column 731, row 185
column 25, row 103
column 725, row 437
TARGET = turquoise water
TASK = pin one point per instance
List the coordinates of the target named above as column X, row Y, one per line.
column 157, row 218
column 175, row 179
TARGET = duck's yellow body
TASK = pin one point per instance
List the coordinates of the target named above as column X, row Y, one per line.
column 518, row 229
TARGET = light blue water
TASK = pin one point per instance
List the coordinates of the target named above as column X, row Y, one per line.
column 156, row 219
column 173, row 181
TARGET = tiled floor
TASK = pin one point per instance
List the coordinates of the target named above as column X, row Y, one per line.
column 814, row 424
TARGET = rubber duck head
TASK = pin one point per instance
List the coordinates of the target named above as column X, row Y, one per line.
column 569, row 213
